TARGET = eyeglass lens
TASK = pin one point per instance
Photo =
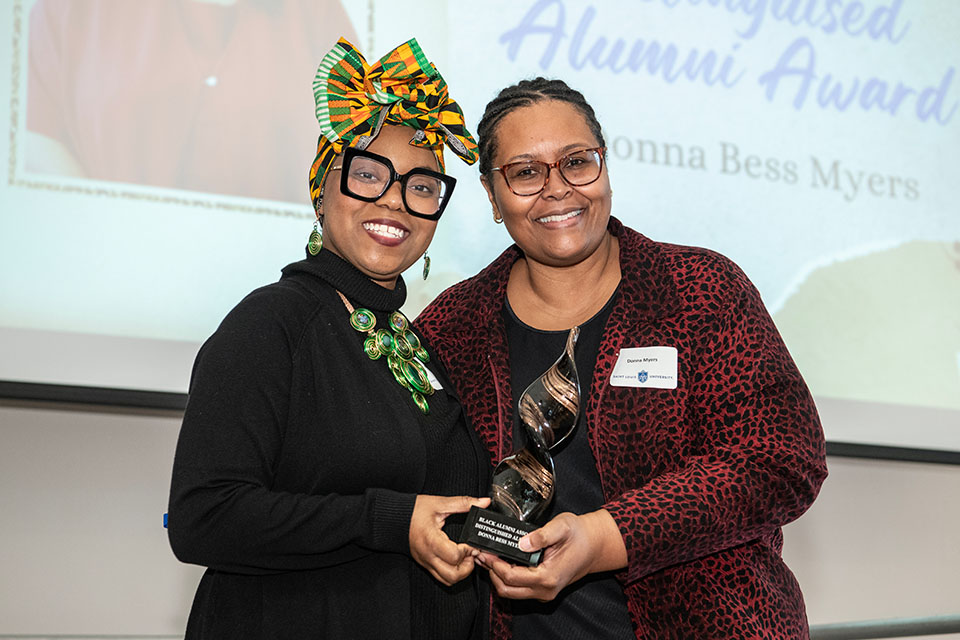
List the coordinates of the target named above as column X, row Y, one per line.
column 369, row 178
column 528, row 178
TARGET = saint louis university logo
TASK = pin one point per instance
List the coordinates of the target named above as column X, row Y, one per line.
column 642, row 376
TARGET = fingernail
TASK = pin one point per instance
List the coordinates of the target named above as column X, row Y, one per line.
column 524, row 544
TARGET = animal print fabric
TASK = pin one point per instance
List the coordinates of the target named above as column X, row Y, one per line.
column 699, row 478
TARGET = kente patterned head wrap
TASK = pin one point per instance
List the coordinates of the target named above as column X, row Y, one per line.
column 354, row 100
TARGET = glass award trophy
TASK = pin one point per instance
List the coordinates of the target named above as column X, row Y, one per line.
column 523, row 483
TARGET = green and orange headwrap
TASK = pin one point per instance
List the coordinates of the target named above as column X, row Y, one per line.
column 354, row 100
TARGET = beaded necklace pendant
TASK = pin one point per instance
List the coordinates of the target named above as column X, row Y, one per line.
column 401, row 348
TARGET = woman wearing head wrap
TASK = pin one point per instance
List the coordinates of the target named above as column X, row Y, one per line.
column 319, row 439
column 698, row 439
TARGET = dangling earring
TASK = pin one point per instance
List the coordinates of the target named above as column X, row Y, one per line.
column 497, row 217
column 426, row 265
column 315, row 242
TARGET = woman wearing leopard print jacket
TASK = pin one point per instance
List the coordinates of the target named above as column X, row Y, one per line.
column 672, row 491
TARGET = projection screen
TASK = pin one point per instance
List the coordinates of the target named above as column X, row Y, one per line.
column 158, row 154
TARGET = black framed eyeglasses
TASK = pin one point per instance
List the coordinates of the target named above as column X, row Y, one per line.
column 367, row 176
column 530, row 177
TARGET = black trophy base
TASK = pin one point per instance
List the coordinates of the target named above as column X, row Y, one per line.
column 500, row 534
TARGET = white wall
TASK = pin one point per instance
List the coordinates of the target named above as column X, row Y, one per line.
column 82, row 544
column 882, row 541
column 83, row 551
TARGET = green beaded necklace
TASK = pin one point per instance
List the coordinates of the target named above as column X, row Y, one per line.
column 404, row 353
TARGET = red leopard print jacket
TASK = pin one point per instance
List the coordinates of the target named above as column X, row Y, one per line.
column 699, row 479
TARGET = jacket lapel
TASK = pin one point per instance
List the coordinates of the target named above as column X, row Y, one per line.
column 489, row 404
column 646, row 294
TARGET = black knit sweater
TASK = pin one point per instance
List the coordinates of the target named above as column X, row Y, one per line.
column 297, row 469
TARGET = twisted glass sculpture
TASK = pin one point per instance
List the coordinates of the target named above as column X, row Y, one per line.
column 524, row 483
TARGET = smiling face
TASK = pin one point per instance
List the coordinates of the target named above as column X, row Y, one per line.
column 562, row 225
column 379, row 238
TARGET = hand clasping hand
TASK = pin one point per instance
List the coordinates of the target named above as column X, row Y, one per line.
column 573, row 547
column 446, row 560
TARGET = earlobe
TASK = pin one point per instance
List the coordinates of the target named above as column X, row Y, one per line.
column 497, row 217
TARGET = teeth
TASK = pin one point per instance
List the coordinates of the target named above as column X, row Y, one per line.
column 385, row 230
column 561, row 216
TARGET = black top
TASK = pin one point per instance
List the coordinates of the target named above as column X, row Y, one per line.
column 438, row 611
column 595, row 606
column 297, row 469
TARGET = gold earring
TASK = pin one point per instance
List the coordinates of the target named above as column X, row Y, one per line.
column 315, row 241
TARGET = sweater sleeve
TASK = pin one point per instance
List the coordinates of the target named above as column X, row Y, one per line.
column 762, row 460
column 224, row 510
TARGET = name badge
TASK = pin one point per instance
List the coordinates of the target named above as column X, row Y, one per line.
column 646, row 367
column 432, row 378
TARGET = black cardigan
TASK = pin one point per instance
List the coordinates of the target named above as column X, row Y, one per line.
column 298, row 465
